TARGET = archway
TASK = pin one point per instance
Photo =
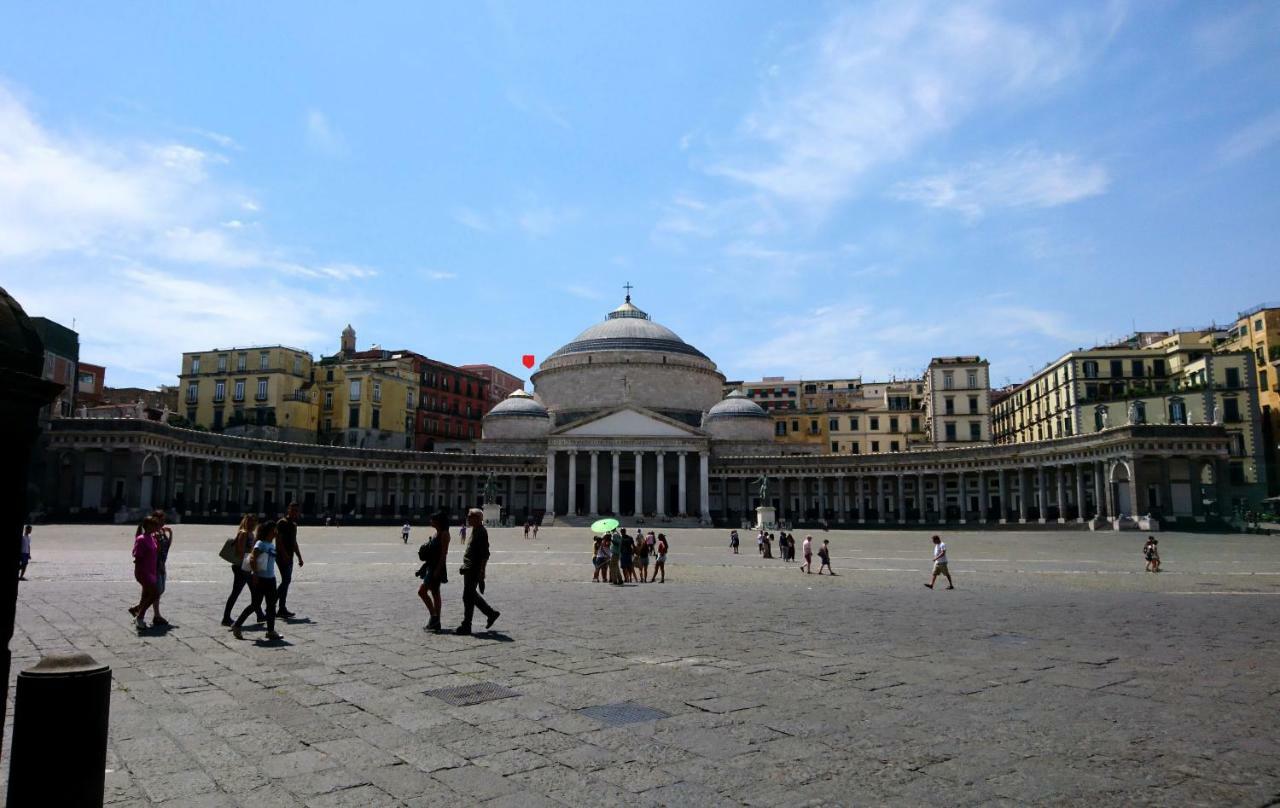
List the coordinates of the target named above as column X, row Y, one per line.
column 1119, row 479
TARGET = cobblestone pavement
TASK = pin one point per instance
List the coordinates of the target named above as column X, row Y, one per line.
column 1057, row 672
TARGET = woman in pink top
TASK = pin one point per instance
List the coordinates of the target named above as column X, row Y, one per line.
column 145, row 552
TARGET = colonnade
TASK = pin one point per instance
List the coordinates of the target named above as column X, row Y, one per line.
column 648, row 492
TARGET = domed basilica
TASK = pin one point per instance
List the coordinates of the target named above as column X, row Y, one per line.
column 628, row 416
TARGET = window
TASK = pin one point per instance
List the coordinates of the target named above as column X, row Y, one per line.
column 875, row 424
column 1231, row 410
column 795, row 426
column 973, row 403
column 242, row 361
column 780, row 428
column 193, row 393
column 1135, row 366
column 855, row 448
column 238, row 395
column 1233, row 377
column 1139, row 412
column 222, row 363
column 835, row 447
column 875, row 445
column 893, row 423
column 973, row 378
column 975, row 430
column 1262, row 381
column 328, row 375
column 262, row 389
column 1090, row 369
column 1257, row 325
column 376, row 422
column 915, row 423
column 328, row 399
column 328, row 425
column 853, row 424
column 377, row 391
column 264, row 360
column 217, row 419
column 353, row 418
column 833, row 424
column 355, row 389
column 191, row 416
column 195, row 364
column 1237, row 444
column 1157, row 367
column 297, row 365
column 1236, row 472
column 948, row 379
column 1117, row 368
column 949, row 405
column 813, row 426
column 219, row 390
column 1177, row 411
column 408, row 399
column 893, row 446
column 950, row 431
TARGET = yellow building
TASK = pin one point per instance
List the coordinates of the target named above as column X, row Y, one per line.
column 262, row 392
column 1152, row 378
column 368, row 399
column 1258, row 330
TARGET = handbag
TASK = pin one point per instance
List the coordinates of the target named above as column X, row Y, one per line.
column 228, row 551
column 245, row 566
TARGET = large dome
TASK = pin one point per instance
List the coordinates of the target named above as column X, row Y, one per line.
column 736, row 405
column 518, row 405
column 627, row 328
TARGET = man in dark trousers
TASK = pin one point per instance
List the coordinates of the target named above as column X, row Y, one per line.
column 286, row 549
column 474, row 559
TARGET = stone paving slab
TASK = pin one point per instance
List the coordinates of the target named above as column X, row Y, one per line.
column 1057, row 672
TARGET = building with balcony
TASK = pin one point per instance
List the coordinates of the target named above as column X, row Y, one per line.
column 1258, row 330
column 262, row 391
column 957, row 401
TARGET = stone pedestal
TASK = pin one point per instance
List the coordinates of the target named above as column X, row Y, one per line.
column 492, row 515
column 765, row 518
column 1149, row 523
column 1099, row 523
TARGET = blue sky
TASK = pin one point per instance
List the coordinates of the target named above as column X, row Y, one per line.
column 797, row 189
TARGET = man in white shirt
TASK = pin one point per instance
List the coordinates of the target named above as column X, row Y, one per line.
column 404, row 532
column 940, row 563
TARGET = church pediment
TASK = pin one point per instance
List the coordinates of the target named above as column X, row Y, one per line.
column 629, row 423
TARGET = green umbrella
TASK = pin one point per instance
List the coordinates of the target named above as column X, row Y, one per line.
column 604, row 525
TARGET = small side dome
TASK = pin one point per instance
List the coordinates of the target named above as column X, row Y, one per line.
column 736, row 405
column 518, row 405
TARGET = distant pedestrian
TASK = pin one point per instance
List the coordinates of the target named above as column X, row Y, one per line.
column 628, row 571
column 600, row 559
column 940, row 563
column 144, row 568
column 528, row 523
column 474, row 561
column 433, row 554
column 535, row 529
column 261, row 565
column 768, row 545
column 1151, row 552
column 24, row 556
column 240, row 578
column 660, row 561
column 616, row 538
column 760, row 541
column 286, row 549
column 807, row 566
column 641, row 558
column 164, row 540
column 462, row 533
column 404, row 532
column 824, row 553
column 733, row 541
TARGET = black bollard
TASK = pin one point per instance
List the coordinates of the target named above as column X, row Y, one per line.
column 59, row 751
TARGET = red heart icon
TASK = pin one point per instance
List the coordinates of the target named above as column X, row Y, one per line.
column 527, row 359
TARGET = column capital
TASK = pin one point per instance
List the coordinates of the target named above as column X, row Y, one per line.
column 681, row 452
column 571, row 451
column 615, row 452
column 594, row 452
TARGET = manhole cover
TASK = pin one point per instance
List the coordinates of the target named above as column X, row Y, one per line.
column 624, row 712
column 466, row 695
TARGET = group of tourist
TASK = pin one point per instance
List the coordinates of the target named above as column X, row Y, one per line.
column 787, row 549
column 619, row 558
column 434, row 552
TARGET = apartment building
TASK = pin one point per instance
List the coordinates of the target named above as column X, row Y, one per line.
column 957, row 401
column 262, row 391
column 1258, row 330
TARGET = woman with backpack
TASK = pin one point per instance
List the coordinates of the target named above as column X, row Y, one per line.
column 240, row 578
column 433, row 554
column 261, row 564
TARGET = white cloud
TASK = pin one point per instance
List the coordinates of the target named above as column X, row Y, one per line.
column 542, row 221
column 321, row 136
column 884, row 80
column 441, row 276
column 536, row 220
column 1022, row 178
column 141, row 244
column 1244, row 143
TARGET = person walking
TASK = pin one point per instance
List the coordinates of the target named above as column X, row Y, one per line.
column 474, row 560
column 733, row 541
column 24, row 557
column 600, row 559
column 535, row 529
column 616, row 538
column 286, row 549
column 940, row 563
column 807, row 566
column 528, row 523
column 164, row 540
column 641, row 558
column 261, row 565
column 404, row 533
column 144, row 569
column 824, row 553
column 628, row 571
column 1152, row 554
column 239, row 577
column 660, row 561
column 433, row 554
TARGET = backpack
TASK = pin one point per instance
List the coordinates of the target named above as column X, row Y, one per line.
column 429, row 551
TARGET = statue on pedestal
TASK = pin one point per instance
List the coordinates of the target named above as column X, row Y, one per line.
column 763, row 483
column 490, row 489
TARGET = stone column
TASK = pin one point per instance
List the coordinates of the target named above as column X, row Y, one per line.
column 660, row 501
column 882, row 512
column 1041, row 498
column 983, row 504
column 682, row 507
column 279, row 499
column 244, row 483
column 639, row 485
column 704, row 488
column 511, row 495
column 821, row 482
column 573, row 482
column 1022, row 496
column 1079, row 481
column 962, row 497
column 226, row 486
column 920, row 496
column 594, row 498
column 1061, row 492
column 782, row 497
column 1100, row 490
column 1133, row 488
column 942, row 498
column 902, row 500
column 549, row 505
column 614, row 508
column 862, row 503
column 1002, row 479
